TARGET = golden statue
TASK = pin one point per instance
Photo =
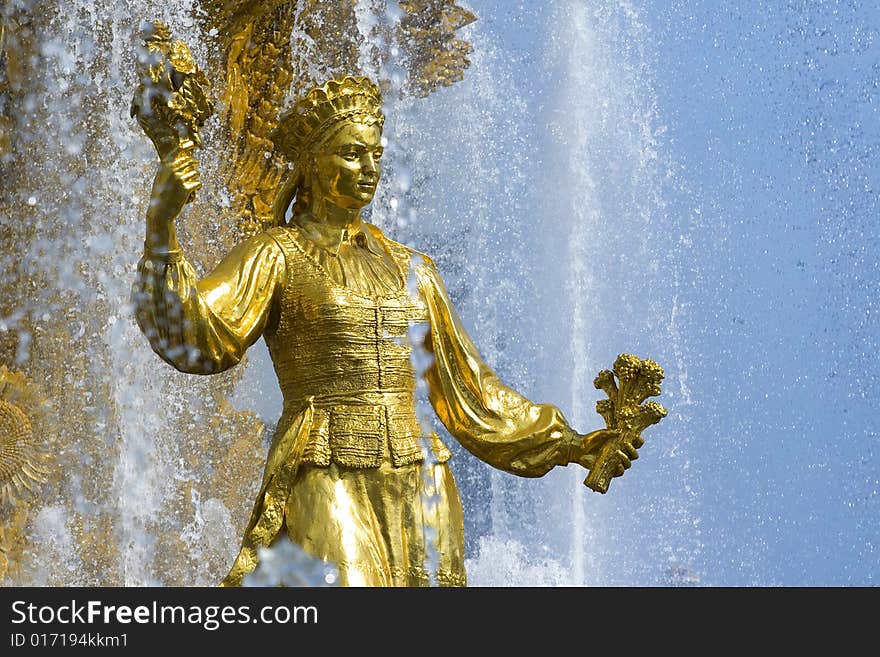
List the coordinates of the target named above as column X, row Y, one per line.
column 350, row 467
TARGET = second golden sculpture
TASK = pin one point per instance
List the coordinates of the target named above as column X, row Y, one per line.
column 351, row 476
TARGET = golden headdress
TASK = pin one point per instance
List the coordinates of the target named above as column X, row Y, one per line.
column 308, row 123
column 311, row 121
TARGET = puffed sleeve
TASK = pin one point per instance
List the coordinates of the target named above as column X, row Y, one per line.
column 491, row 420
column 204, row 327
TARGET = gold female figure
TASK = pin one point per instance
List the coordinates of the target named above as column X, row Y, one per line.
column 328, row 293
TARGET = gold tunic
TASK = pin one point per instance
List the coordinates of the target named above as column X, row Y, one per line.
column 349, row 470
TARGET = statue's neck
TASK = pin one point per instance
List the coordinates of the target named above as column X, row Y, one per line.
column 324, row 212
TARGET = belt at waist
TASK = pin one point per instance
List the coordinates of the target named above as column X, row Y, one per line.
column 360, row 428
column 400, row 397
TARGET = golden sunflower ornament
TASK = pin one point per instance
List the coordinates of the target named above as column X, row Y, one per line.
column 23, row 455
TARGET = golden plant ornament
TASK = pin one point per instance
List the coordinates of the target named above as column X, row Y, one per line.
column 171, row 101
column 23, row 459
column 623, row 411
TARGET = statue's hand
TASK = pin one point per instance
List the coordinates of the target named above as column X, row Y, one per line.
column 586, row 449
column 175, row 182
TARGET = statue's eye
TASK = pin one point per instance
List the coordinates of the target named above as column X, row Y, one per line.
column 351, row 156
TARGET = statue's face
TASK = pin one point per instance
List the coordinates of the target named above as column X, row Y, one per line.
column 347, row 168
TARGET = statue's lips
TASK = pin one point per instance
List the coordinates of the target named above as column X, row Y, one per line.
column 367, row 186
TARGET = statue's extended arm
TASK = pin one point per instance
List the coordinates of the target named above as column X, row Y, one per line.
column 491, row 420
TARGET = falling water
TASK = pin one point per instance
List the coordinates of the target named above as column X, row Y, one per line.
column 124, row 470
column 603, row 146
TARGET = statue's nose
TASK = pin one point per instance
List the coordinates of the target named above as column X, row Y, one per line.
column 370, row 165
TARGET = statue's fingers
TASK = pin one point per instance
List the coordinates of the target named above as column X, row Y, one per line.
column 191, row 184
column 184, row 160
column 190, row 179
column 179, row 166
column 619, row 470
column 638, row 441
column 632, row 452
column 188, row 175
column 624, row 459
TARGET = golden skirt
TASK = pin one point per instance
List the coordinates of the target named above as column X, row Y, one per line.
column 386, row 526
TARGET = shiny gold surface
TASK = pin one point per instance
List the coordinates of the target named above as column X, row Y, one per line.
column 372, row 524
column 623, row 411
column 23, row 453
column 328, row 293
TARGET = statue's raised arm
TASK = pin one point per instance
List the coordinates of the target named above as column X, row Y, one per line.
column 171, row 104
column 198, row 326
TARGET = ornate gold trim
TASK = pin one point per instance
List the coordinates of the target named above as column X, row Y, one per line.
column 24, row 456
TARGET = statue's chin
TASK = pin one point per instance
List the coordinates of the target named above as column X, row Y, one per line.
column 365, row 198
column 362, row 203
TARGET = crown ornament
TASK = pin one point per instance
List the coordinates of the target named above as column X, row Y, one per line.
column 307, row 123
